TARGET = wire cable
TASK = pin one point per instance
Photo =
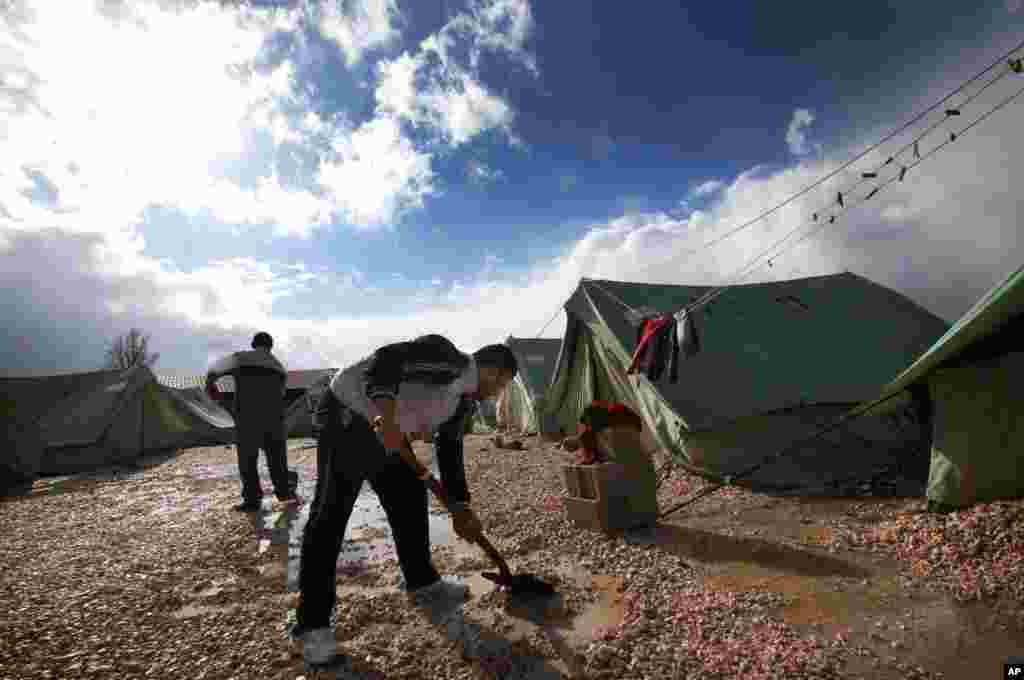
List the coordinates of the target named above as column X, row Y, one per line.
column 862, row 154
column 711, row 295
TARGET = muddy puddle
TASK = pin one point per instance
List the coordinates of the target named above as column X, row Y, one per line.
column 368, row 543
column 368, row 540
column 879, row 613
column 861, row 597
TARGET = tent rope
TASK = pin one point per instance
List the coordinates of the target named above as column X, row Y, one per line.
column 1013, row 67
column 614, row 297
column 558, row 310
column 845, row 206
column 752, row 266
column 729, row 479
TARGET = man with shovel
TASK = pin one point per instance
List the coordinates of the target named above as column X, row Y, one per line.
column 424, row 385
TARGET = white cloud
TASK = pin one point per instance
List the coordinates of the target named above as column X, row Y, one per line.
column 453, row 103
column 396, row 87
column 367, row 24
column 501, row 26
column 707, row 188
column 378, row 173
column 796, row 138
column 467, row 111
column 451, row 98
column 115, row 135
column 944, row 235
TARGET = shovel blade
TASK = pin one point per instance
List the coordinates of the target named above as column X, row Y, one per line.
column 520, row 584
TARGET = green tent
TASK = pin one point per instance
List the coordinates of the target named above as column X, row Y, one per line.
column 518, row 406
column 78, row 422
column 972, row 376
column 777, row 361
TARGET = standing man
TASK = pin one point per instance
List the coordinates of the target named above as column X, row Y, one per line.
column 260, row 382
column 425, row 385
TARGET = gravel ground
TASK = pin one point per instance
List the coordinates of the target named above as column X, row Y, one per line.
column 150, row 575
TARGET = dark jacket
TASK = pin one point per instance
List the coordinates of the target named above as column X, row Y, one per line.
column 428, row 360
column 260, row 385
column 448, row 449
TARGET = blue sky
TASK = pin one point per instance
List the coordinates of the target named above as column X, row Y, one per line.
column 349, row 174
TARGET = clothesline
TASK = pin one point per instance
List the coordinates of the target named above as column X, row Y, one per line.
column 1014, row 67
column 717, row 291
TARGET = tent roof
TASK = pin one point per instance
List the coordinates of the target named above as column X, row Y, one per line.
column 81, row 417
column 995, row 310
column 538, row 359
column 769, row 346
column 34, row 397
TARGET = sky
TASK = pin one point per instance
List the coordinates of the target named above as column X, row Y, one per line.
column 348, row 174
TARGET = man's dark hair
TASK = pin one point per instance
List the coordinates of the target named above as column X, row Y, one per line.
column 262, row 339
column 497, row 356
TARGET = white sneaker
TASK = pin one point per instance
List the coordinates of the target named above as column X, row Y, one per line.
column 441, row 591
column 319, row 646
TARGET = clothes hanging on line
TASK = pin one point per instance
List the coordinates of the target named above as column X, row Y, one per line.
column 660, row 341
column 657, row 349
column 686, row 329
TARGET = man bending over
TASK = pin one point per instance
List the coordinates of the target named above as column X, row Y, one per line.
column 425, row 385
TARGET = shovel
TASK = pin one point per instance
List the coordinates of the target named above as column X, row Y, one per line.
column 517, row 584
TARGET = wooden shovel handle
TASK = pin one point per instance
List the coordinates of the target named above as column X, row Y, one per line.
column 409, row 458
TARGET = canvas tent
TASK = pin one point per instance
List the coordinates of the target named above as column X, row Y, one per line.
column 298, row 417
column 518, row 406
column 972, row 377
column 78, row 422
column 487, row 414
column 777, row 361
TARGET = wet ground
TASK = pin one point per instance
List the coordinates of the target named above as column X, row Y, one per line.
column 780, row 545
column 732, row 544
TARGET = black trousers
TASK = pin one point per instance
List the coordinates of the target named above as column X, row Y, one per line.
column 268, row 434
column 349, row 453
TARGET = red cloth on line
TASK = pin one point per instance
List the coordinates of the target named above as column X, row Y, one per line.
column 643, row 356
